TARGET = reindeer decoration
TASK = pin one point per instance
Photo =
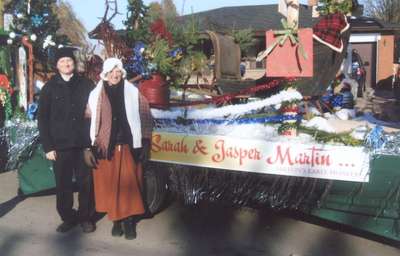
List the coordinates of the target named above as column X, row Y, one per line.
column 114, row 45
column 93, row 65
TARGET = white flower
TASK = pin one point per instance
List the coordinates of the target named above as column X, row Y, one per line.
column 48, row 42
column 20, row 15
column 33, row 37
column 60, row 46
column 9, row 41
column 12, row 35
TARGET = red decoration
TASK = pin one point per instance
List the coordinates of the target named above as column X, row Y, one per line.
column 290, row 133
column 25, row 41
column 159, row 29
column 5, row 83
column 287, row 60
column 222, row 99
column 329, row 30
column 156, row 91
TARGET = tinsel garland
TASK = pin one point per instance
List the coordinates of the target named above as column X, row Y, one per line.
column 284, row 128
column 231, row 110
column 18, row 139
column 196, row 185
column 383, row 143
column 254, row 120
column 337, row 101
column 289, row 108
column 222, row 99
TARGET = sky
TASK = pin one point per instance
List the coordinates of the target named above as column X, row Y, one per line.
column 90, row 11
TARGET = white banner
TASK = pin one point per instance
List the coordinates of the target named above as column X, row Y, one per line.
column 280, row 158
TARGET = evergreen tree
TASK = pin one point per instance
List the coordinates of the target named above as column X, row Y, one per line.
column 37, row 20
column 137, row 23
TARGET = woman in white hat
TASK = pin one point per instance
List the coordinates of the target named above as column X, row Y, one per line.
column 120, row 132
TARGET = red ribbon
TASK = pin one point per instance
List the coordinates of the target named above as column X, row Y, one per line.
column 219, row 100
column 290, row 109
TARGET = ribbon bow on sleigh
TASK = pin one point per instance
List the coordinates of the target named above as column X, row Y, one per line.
column 288, row 32
column 291, row 33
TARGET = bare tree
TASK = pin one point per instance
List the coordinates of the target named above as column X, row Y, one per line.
column 169, row 9
column 155, row 11
column 71, row 26
column 386, row 10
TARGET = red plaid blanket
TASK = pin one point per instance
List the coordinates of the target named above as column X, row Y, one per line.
column 329, row 30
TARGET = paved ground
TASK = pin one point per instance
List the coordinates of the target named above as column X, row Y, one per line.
column 27, row 227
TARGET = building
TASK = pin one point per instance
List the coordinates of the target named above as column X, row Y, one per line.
column 375, row 40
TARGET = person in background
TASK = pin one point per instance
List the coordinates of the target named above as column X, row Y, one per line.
column 242, row 68
column 396, row 85
column 120, row 132
column 62, row 127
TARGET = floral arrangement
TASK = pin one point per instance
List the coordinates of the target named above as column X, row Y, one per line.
column 167, row 50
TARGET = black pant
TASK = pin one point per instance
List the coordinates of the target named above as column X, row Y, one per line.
column 69, row 163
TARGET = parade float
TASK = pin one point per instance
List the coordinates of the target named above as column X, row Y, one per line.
column 248, row 143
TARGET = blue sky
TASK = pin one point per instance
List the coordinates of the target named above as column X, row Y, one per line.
column 89, row 11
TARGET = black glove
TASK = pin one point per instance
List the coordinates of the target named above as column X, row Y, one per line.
column 145, row 151
column 89, row 158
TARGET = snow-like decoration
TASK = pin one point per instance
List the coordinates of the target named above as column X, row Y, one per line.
column 319, row 123
column 231, row 110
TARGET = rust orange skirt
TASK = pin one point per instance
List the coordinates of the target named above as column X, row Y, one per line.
column 118, row 184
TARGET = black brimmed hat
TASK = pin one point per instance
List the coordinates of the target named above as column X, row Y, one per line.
column 64, row 52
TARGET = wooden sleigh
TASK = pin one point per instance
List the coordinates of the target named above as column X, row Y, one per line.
column 227, row 73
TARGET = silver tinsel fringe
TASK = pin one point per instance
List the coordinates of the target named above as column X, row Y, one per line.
column 18, row 140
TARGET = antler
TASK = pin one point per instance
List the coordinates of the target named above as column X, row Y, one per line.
column 115, row 9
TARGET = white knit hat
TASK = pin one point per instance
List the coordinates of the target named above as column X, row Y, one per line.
column 109, row 64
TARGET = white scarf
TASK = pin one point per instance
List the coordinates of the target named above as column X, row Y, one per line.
column 131, row 98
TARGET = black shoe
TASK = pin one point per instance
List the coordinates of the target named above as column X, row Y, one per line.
column 129, row 228
column 88, row 227
column 65, row 227
column 117, row 229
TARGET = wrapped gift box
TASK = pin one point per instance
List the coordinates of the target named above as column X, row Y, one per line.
column 286, row 60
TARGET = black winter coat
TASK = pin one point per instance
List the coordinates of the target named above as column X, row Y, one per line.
column 61, row 120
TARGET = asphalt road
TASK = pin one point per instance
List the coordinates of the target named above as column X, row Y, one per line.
column 27, row 227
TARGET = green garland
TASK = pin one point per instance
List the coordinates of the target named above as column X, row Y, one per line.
column 287, row 126
column 326, row 137
column 5, row 100
column 332, row 6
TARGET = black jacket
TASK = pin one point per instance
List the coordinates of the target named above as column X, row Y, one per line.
column 61, row 120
